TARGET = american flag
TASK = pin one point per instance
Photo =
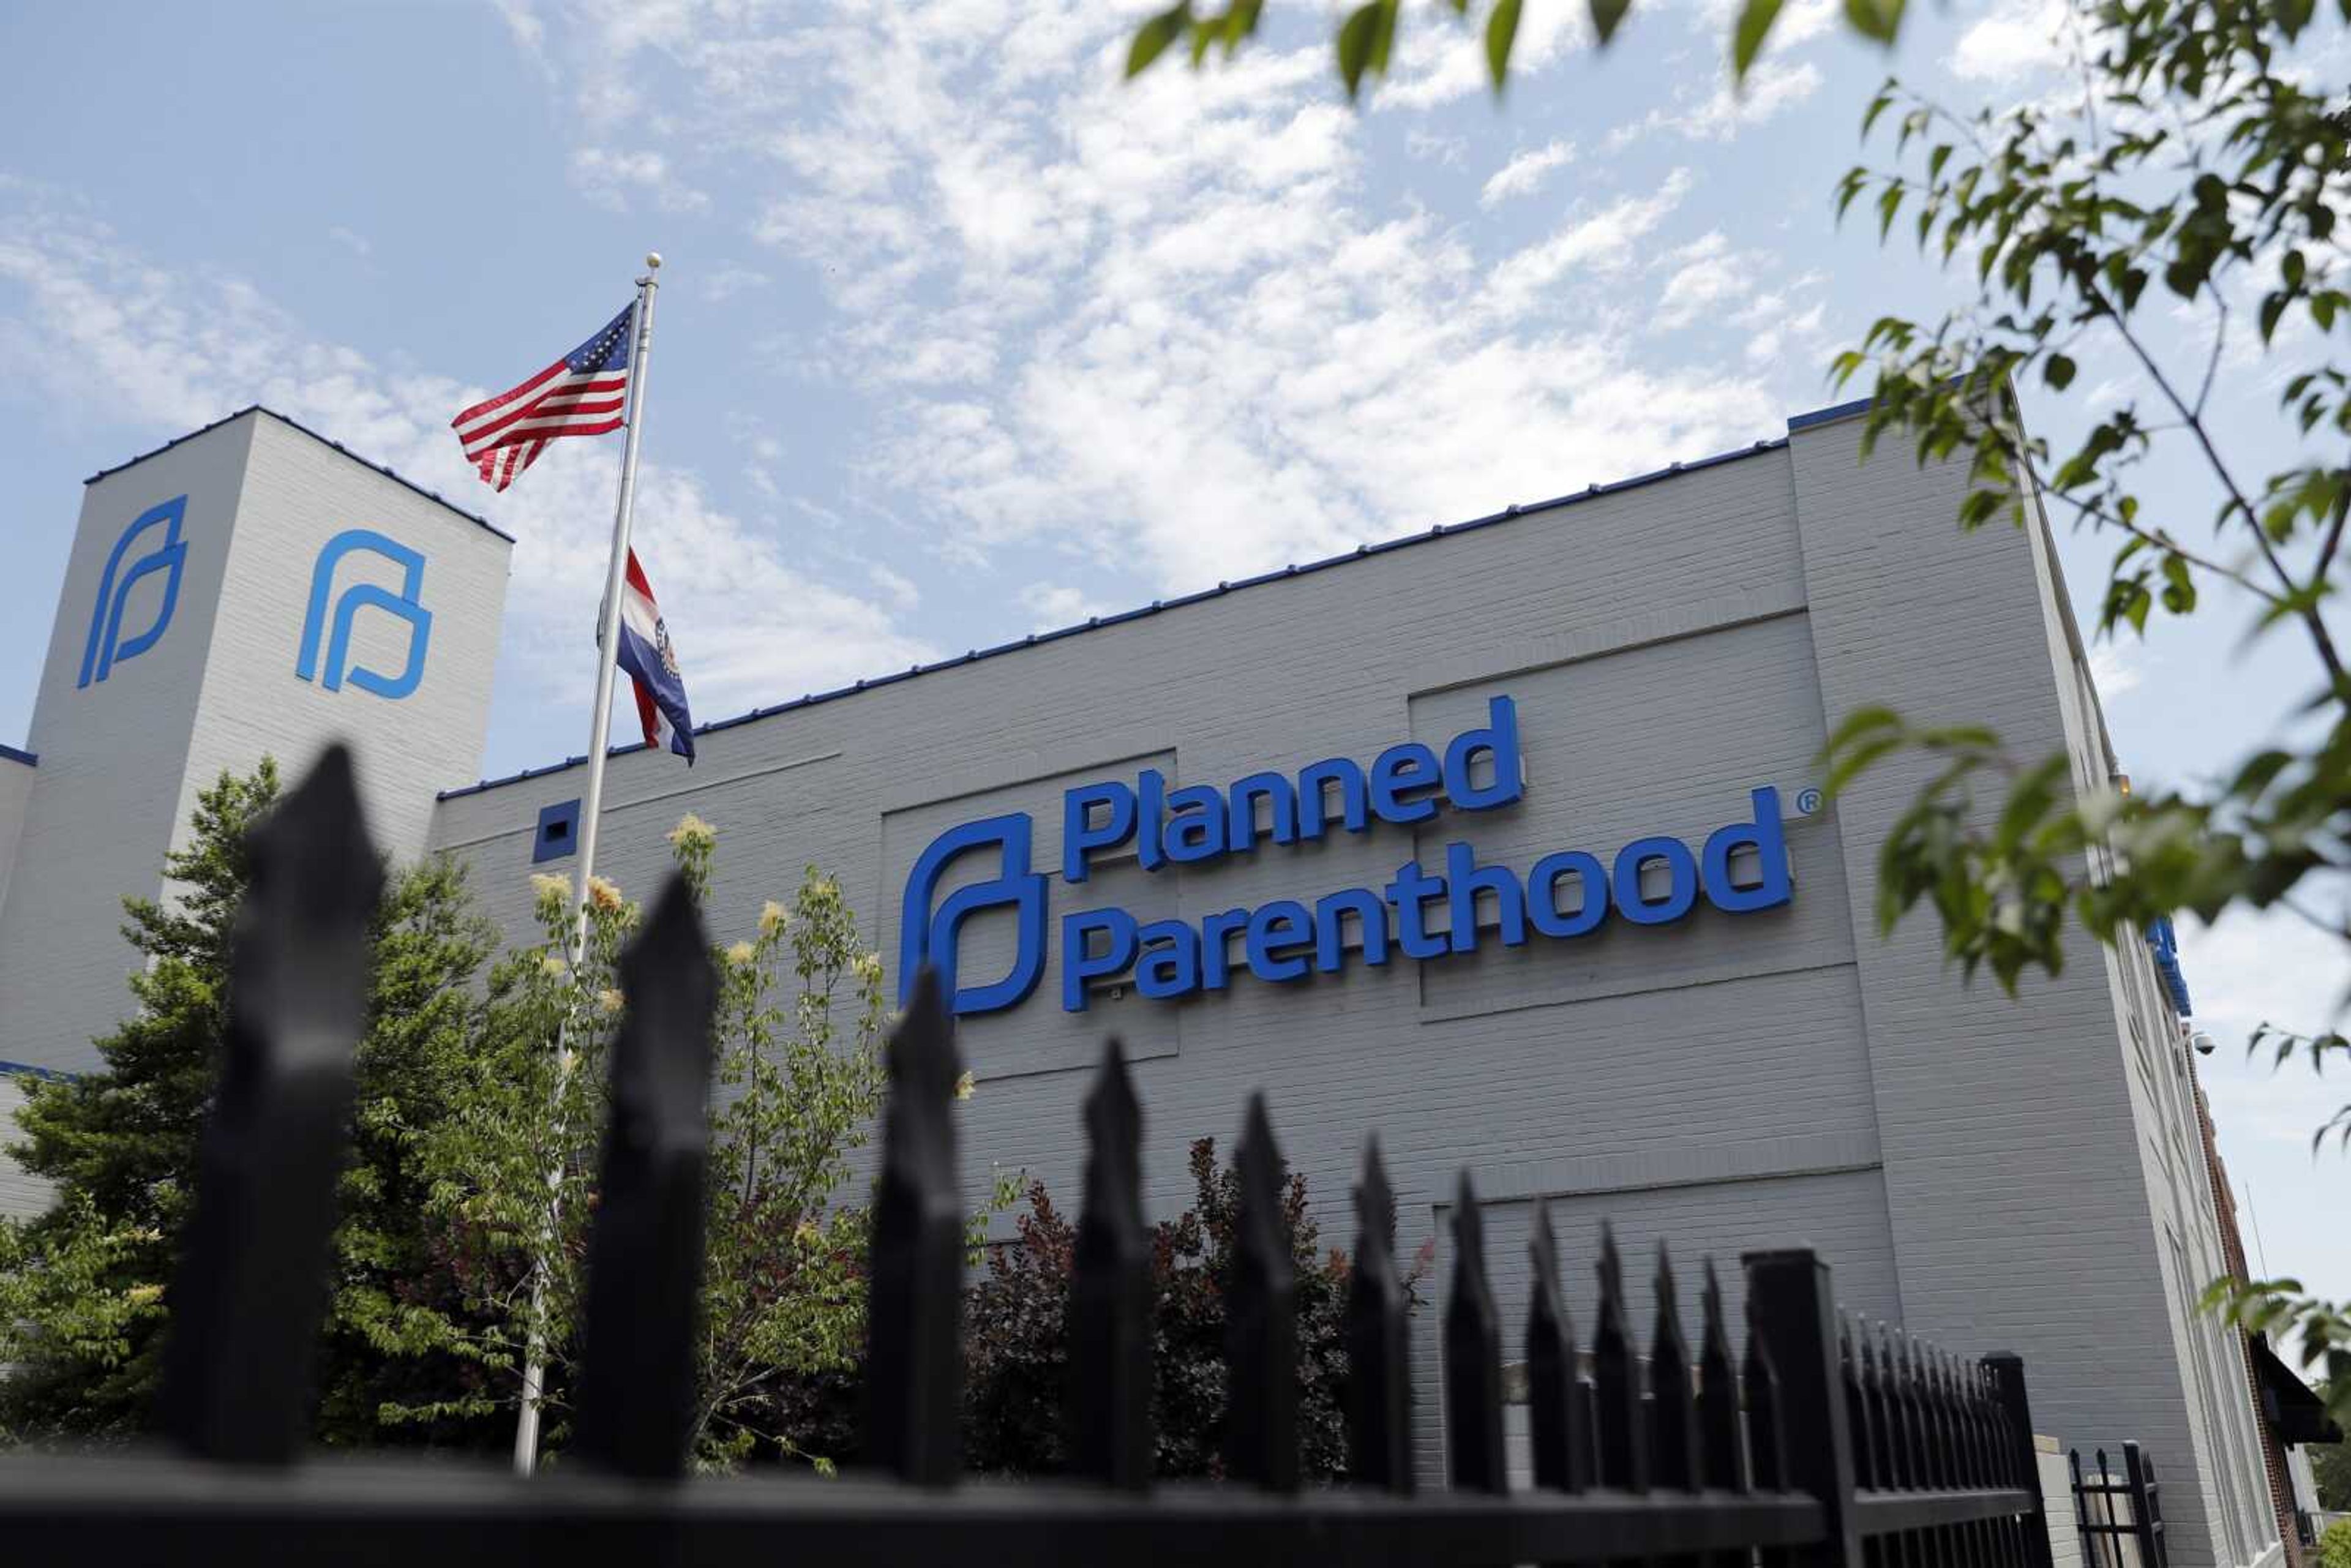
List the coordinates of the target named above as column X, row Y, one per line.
column 581, row 393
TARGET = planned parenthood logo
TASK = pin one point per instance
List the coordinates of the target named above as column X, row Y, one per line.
column 358, row 597
column 1423, row 913
column 929, row 935
column 168, row 554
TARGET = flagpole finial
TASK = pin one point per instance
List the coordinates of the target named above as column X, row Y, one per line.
column 652, row 260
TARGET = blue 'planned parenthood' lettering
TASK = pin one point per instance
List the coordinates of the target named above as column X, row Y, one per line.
column 1420, row 915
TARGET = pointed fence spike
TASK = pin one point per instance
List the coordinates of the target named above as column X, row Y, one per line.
column 1473, row 1360
column 1622, row 1435
column 1673, row 1419
column 1110, row 1292
column 645, row 1252
column 1379, row 1373
column 1759, row 1383
column 913, row 1297
column 1261, row 1320
column 1866, row 1411
column 252, row 1281
column 1557, row 1418
column 1885, row 1404
column 1722, row 1463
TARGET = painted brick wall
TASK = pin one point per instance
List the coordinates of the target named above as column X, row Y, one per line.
column 15, row 795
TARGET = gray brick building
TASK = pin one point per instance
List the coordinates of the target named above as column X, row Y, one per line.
column 1758, row 1068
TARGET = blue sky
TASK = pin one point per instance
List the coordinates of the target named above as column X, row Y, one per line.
column 961, row 338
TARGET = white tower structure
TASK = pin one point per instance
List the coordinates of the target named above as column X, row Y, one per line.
column 250, row 589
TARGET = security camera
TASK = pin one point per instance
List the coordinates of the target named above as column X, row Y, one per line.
column 2202, row 1041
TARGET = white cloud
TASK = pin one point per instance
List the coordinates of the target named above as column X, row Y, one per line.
column 726, row 282
column 1773, row 86
column 1440, row 60
column 2116, row 666
column 1525, row 173
column 1053, row 606
column 2020, row 38
column 357, row 244
column 115, row 337
column 1708, row 276
column 895, row 586
column 1167, row 326
column 608, row 177
column 1602, row 241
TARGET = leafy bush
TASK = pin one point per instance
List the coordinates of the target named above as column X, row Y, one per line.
column 2335, row 1545
column 1016, row 1335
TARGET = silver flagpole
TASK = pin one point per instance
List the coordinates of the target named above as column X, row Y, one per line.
column 534, row 1366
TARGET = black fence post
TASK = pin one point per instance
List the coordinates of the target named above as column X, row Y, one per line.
column 2019, row 1462
column 1110, row 1293
column 250, row 1288
column 1557, row 1421
column 1261, row 1320
column 1619, row 1434
column 915, row 1299
column 2146, row 1509
column 1379, row 1373
column 1473, row 1358
column 1789, row 1294
column 645, row 1253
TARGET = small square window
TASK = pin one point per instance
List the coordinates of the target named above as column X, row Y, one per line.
column 559, row 831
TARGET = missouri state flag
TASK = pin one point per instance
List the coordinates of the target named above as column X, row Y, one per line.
column 645, row 653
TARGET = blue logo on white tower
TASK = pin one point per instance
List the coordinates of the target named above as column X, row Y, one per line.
column 1741, row 868
column 107, row 647
column 358, row 597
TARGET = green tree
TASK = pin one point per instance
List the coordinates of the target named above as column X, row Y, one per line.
column 2330, row 1471
column 83, row 1289
column 798, row 1029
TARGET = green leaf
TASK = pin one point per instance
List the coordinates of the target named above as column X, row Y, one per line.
column 1878, row 106
column 2058, row 371
column 1605, row 16
column 1501, row 32
column 1363, row 42
column 1755, row 19
column 1878, row 20
column 1151, row 39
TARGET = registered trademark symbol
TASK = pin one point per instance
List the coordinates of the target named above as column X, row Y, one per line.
column 1808, row 802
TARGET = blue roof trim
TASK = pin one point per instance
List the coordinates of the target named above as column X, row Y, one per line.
column 1828, row 415
column 2165, row 942
column 475, row 519
column 46, row 1074
column 1158, row 606
column 13, row 755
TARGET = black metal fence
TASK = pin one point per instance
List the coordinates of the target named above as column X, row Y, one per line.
column 2140, row 1523
column 1820, row 1445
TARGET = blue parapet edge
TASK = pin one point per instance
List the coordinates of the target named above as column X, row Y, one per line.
column 11, row 754
column 475, row 519
column 46, row 1074
column 1828, row 415
column 2165, row 943
column 1512, row 513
